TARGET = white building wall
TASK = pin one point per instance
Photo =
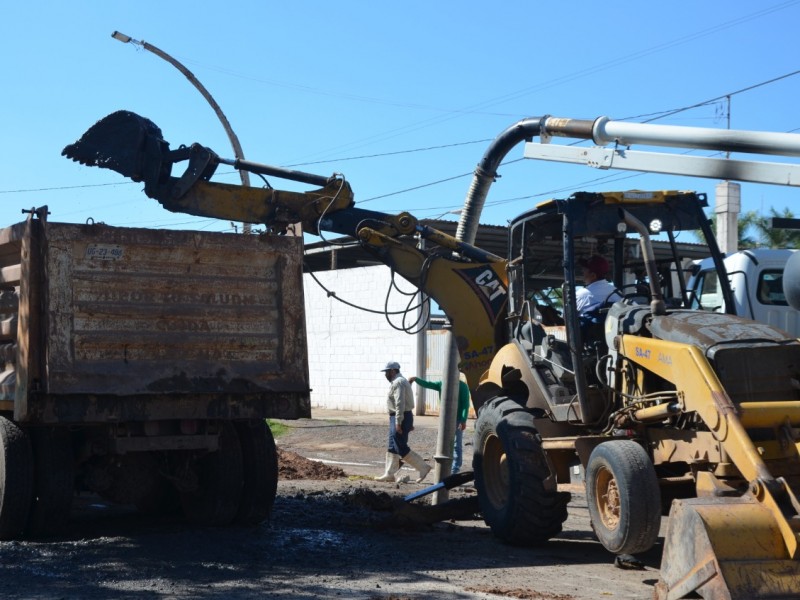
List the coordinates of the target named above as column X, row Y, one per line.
column 348, row 347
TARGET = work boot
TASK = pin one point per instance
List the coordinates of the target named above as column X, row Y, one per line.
column 392, row 467
column 416, row 461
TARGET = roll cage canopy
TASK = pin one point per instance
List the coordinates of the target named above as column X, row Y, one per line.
column 546, row 243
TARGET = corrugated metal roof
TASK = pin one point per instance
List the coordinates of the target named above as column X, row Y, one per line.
column 345, row 253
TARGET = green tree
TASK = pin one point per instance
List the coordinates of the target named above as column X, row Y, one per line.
column 776, row 238
column 746, row 222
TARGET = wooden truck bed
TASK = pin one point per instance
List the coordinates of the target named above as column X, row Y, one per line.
column 107, row 324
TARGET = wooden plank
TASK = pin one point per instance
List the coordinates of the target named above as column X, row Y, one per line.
column 10, row 275
column 29, row 338
column 14, row 233
column 8, row 329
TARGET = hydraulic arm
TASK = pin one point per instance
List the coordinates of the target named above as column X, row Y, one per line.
column 468, row 283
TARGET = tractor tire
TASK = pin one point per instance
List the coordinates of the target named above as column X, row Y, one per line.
column 53, row 483
column 219, row 487
column 16, row 480
column 260, row 465
column 516, row 486
column 623, row 495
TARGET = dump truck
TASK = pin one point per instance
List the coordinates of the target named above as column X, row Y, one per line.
column 141, row 365
column 664, row 408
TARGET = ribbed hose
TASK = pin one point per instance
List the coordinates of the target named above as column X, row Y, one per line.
column 486, row 172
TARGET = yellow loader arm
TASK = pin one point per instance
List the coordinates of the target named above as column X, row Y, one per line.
column 471, row 288
column 724, row 544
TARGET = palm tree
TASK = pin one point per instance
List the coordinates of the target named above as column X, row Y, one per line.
column 776, row 238
column 746, row 221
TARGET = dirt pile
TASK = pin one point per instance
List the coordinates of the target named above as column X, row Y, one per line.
column 293, row 466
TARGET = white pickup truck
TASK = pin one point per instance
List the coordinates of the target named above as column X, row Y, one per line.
column 756, row 278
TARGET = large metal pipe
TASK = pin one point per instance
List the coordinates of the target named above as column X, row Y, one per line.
column 726, row 140
column 604, row 131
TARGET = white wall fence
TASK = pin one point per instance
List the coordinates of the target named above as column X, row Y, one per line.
column 347, row 347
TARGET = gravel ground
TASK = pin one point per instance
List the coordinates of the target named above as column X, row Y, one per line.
column 340, row 537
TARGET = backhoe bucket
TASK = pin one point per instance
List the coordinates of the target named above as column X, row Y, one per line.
column 725, row 549
column 123, row 142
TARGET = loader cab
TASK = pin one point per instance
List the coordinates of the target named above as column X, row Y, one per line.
column 546, row 245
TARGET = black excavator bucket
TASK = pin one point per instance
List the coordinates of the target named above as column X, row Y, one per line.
column 126, row 143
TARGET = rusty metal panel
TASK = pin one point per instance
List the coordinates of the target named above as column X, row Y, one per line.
column 141, row 312
column 707, row 330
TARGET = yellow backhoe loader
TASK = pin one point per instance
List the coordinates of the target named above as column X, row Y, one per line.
column 662, row 408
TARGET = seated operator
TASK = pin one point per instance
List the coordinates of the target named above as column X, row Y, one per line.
column 597, row 291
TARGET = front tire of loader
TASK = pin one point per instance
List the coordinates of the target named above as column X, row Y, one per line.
column 516, row 486
column 260, row 462
column 623, row 496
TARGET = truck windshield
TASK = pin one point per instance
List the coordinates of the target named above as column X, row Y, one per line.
column 706, row 293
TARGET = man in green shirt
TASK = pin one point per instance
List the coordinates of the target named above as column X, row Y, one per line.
column 461, row 414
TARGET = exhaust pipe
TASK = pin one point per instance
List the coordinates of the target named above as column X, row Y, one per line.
column 657, row 306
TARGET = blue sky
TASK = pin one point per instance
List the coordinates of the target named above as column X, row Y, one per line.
column 396, row 96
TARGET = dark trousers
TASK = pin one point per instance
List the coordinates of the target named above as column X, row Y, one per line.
column 398, row 442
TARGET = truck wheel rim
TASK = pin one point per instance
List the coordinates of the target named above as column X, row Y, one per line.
column 495, row 471
column 607, row 498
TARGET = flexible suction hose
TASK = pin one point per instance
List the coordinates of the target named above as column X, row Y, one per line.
column 486, row 173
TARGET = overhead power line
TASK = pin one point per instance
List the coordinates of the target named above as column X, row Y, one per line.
column 319, row 162
column 675, row 111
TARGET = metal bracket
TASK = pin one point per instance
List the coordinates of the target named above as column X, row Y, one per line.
column 672, row 164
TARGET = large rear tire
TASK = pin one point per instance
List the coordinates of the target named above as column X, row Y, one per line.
column 54, row 481
column 219, row 488
column 260, row 466
column 623, row 496
column 16, row 480
column 516, row 487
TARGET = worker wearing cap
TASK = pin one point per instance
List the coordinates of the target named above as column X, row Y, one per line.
column 400, row 404
column 597, row 290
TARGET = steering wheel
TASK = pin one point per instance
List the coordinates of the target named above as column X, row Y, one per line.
column 636, row 290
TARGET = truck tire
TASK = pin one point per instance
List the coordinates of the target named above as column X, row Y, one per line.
column 511, row 476
column 156, row 494
column 16, row 480
column 260, row 466
column 219, row 488
column 623, row 496
column 53, row 482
